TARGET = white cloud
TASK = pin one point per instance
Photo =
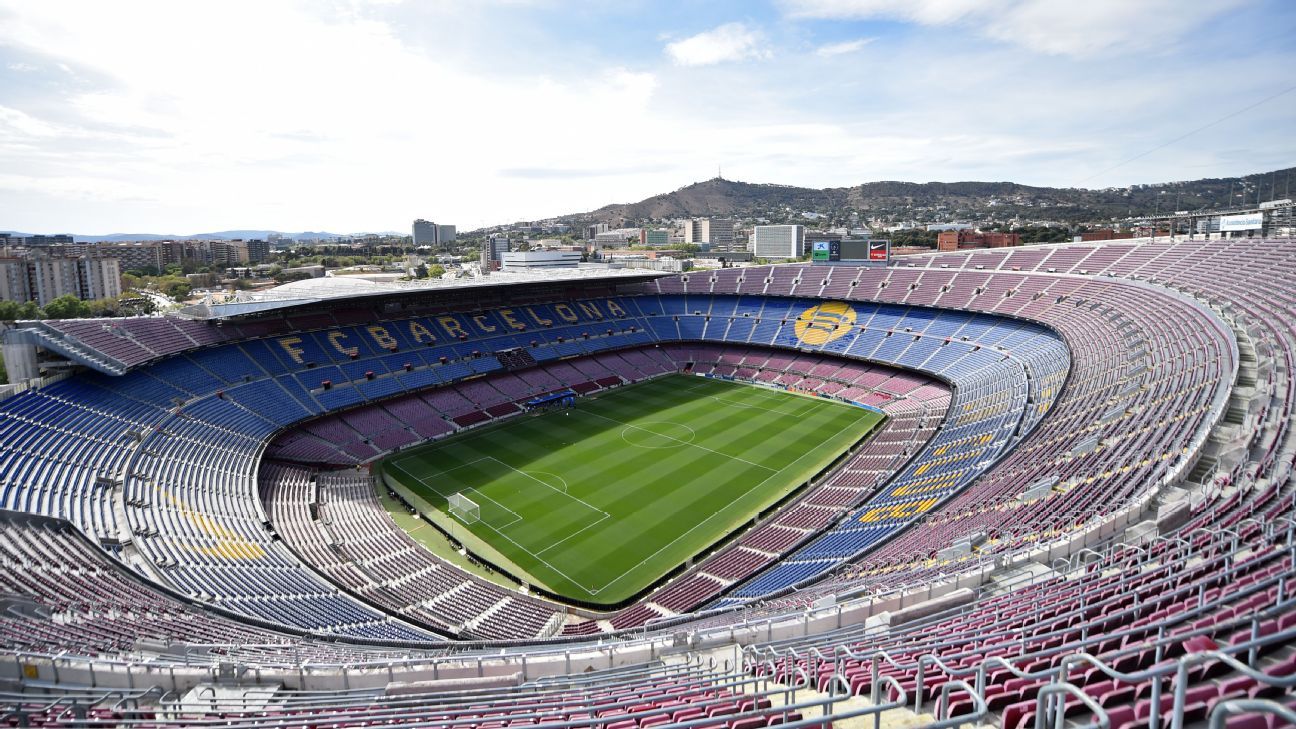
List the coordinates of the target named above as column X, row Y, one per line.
column 1058, row 27
column 729, row 42
column 308, row 120
column 301, row 116
column 840, row 49
column 928, row 12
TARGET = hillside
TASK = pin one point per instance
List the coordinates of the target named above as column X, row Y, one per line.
column 940, row 201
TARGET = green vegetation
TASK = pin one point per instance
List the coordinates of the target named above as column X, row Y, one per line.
column 70, row 307
column 916, row 237
column 599, row 502
column 1040, row 234
column 13, row 311
column 172, row 283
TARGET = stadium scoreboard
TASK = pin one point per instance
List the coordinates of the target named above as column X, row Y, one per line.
column 858, row 252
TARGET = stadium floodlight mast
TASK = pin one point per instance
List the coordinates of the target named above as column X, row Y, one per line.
column 464, row 508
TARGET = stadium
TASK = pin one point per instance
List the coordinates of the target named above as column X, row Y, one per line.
column 1002, row 486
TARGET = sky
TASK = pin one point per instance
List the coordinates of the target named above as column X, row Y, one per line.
column 361, row 115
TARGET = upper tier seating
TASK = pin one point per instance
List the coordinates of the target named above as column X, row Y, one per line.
column 1149, row 374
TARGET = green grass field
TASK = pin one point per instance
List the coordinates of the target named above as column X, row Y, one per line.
column 597, row 503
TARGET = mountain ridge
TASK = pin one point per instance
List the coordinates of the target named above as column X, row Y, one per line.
column 948, row 201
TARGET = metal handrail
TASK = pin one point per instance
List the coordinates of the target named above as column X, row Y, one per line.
column 1181, row 677
column 980, row 708
column 840, row 650
column 1046, row 693
column 1222, row 710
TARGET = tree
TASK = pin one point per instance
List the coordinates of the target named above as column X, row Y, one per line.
column 14, row 311
column 67, row 307
column 175, row 287
column 284, row 278
column 436, row 270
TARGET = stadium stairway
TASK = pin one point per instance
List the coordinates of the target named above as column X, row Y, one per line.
column 1160, row 616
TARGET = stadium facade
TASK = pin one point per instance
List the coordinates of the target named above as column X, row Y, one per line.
column 1080, row 501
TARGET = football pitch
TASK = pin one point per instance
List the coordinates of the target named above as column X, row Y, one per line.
column 597, row 502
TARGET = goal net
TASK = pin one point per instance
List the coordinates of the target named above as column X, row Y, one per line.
column 464, row 509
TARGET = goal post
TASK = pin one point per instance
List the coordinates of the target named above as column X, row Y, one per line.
column 464, row 509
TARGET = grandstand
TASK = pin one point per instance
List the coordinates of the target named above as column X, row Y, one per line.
column 1078, row 506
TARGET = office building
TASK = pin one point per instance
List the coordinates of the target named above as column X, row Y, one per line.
column 492, row 250
column 778, row 241
column 617, row 238
column 539, row 260
column 61, row 239
column 657, row 238
column 428, row 233
column 425, row 233
column 954, row 240
column 258, row 251
column 715, row 234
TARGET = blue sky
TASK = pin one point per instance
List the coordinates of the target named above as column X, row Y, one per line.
column 357, row 115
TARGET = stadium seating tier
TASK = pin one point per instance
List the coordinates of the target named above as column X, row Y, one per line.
column 1095, row 372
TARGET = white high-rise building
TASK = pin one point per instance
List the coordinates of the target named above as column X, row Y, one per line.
column 716, row 234
column 778, row 241
column 13, row 280
column 100, row 278
column 539, row 260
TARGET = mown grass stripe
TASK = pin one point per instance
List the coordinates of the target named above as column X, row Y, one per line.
column 601, row 519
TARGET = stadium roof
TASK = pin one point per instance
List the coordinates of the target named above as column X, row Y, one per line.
column 316, row 290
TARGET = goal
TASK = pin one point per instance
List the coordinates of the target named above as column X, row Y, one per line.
column 464, row 508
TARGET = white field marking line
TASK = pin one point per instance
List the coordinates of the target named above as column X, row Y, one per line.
column 516, row 517
column 794, row 414
column 602, row 519
column 687, row 443
column 399, row 463
column 565, row 487
column 704, row 521
column 678, row 443
column 556, row 571
column 582, row 502
column 692, row 386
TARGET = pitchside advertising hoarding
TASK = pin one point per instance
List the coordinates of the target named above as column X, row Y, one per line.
column 1250, row 221
column 852, row 252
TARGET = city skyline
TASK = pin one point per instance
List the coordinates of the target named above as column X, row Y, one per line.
column 363, row 116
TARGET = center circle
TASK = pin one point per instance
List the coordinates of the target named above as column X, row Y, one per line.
column 658, row 434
